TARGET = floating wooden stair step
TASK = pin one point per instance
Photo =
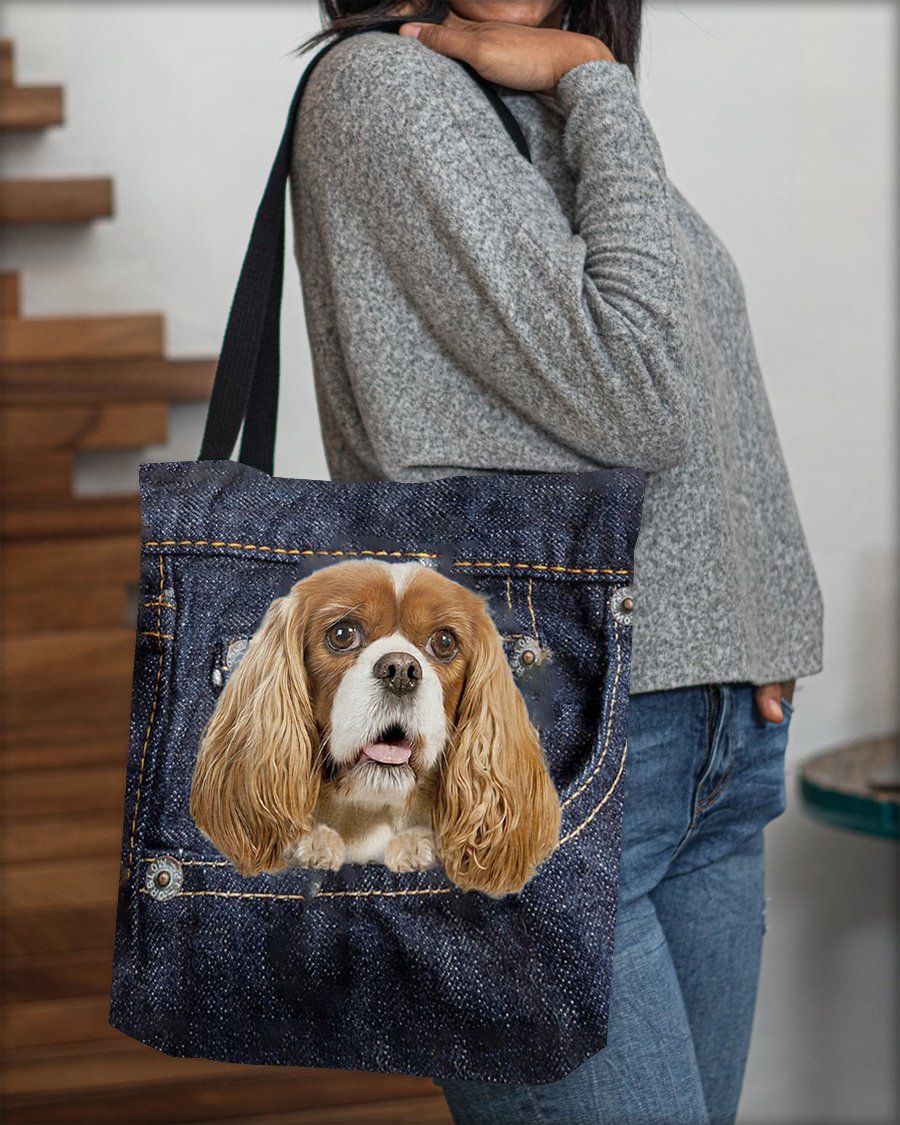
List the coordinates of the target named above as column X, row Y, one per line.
column 112, row 425
column 70, row 610
column 93, row 577
column 53, row 669
column 7, row 77
column 32, row 838
column 51, row 932
column 139, row 1107
column 105, row 698
column 234, row 1087
column 76, row 339
column 38, row 565
column 39, row 1023
column 28, row 479
column 429, row 1110
column 58, row 884
column 86, row 516
column 37, row 885
column 9, row 294
column 39, row 442
column 43, row 976
column 56, row 201
column 45, row 744
column 182, row 380
column 74, row 673
column 31, row 107
column 42, row 791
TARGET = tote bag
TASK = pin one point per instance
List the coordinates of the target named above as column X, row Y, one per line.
column 278, row 902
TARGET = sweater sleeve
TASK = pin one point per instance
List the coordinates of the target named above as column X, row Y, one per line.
column 581, row 331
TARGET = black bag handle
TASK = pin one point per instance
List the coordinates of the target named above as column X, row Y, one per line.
column 247, row 374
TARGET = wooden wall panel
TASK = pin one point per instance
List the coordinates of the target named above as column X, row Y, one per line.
column 110, row 425
column 63, row 200
column 75, row 339
column 25, row 108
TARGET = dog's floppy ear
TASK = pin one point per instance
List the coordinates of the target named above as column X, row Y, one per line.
column 496, row 812
column 256, row 780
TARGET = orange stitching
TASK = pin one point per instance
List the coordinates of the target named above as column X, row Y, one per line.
column 162, row 636
column 191, row 862
column 137, row 798
column 612, row 703
column 162, row 657
column 162, row 592
column 545, row 566
column 399, row 554
column 606, row 797
column 320, row 894
column 168, row 605
column 280, row 550
column 534, row 624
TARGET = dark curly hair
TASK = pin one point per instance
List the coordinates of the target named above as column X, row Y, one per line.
column 616, row 22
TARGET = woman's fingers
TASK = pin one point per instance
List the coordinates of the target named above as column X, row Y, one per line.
column 768, row 702
column 768, row 699
column 510, row 54
column 453, row 36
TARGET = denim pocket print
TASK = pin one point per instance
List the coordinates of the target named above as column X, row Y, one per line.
column 555, row 634
column 241, row 940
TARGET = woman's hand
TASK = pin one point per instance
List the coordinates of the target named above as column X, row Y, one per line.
column 522, row 58
column 768, row 699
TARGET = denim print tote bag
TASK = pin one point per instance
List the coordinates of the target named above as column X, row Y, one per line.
column 373, row 798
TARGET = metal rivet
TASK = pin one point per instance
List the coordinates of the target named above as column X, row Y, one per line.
column 621, row 604
column 236, row 651
column 229, row 653
column 164, row 877
column 527, row 653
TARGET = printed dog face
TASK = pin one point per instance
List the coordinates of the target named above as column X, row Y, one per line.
column 374, row 718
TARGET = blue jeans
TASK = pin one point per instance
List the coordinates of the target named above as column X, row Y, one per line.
column 704, row 775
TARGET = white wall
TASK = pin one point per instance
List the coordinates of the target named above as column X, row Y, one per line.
column 776, row 120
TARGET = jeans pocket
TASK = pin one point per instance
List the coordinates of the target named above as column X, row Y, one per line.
column 774, row 754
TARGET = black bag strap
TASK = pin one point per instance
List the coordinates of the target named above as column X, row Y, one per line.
column 247, row 374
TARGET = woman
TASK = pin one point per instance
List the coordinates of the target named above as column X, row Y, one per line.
column 471, row 312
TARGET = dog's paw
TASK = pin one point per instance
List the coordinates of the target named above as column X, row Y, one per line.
column 413, row 850
column 321, row 847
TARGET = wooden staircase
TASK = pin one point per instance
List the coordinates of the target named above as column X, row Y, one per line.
column 68, row 577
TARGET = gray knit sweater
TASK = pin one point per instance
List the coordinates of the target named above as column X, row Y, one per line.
column 470, row 312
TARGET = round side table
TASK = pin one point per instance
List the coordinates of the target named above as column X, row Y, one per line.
column 856, row 786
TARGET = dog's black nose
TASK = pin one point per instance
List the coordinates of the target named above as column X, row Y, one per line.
column 400, row 672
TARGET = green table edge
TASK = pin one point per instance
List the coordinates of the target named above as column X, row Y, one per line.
column 847, row 810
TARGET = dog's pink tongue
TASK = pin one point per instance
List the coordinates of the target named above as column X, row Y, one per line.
column 390, row 753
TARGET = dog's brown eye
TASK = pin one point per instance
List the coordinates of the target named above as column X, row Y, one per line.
column 343, row 635
column 442, row 644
